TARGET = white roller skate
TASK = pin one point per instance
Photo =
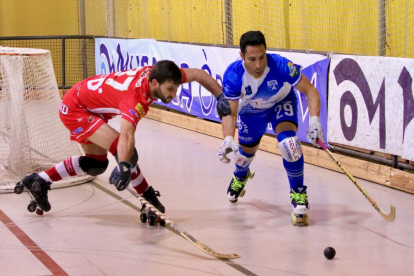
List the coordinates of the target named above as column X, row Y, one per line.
column 299, row 200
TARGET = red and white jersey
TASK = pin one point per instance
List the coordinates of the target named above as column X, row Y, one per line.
column 123, row 93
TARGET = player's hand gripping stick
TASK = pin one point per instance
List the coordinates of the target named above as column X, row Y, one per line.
column 315, row 132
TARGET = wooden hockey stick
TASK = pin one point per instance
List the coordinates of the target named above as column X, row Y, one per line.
column 180, row 230
column 388, row 217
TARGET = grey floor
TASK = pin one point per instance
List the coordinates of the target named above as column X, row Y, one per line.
column 92, row 231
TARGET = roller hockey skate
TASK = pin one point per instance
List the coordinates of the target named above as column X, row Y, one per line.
column 236, row 187
column 299, row 199
column 151, row 195
column 37, row 189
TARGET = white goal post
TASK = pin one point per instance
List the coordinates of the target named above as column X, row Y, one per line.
column 32, row 137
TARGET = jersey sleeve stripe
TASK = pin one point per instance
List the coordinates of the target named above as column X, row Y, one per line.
column 298, row 80
column 232, row 98
column 127, row 117
column 184, row 75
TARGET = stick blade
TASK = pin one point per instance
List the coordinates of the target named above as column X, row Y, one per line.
column 213, row 253
column 389, row 217
column 207, row 249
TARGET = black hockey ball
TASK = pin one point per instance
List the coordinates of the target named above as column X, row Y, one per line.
column 329, row 253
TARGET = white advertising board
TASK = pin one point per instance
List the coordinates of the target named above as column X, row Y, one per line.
column 370, row 103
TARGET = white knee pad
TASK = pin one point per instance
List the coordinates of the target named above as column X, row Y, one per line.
column 290, row 149
column 242, row 160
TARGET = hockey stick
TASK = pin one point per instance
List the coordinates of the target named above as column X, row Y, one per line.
column 388, row 217
column 182, row 232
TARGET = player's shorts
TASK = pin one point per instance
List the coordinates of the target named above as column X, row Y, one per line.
column 77, row 118
column 252, row 127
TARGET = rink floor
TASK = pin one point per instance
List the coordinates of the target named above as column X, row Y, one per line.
column 93, row 229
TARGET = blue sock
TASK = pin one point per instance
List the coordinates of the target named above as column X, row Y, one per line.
column 294, row 170
column 240, row 172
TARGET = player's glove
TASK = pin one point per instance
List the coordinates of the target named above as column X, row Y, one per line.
column 223, row 107
column 227, row 146
column 315, row 131
column 121, row 176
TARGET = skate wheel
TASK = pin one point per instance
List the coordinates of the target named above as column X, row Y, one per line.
column 293, row 217
column 306, row 222
column 39, row 211
column 302, row 220
column 242, row 193
column 162, row 223
column 143, row 217
column 151, row 220
column 299, row 220
column 18, row 189
column 251, row 174
column 32, row 206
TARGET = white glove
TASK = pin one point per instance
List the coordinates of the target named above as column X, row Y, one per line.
column 227, row 146
column 315, row 132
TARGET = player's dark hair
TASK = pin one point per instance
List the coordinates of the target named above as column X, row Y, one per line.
column 252, row 38
column 166, row 70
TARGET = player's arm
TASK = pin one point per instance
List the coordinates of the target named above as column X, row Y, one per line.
column 229, row 128
column 211, row 85
column 121, row 174
column 126, row 142
column 229, row 122
column 315, row 132
column 312, row 95
column 204, row 79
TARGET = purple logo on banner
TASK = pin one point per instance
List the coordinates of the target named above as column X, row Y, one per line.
column 349, row 70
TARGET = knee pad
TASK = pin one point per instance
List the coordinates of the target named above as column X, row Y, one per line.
column 290, row 148
column 93, row 166
column 243, row 161
column 134, row 158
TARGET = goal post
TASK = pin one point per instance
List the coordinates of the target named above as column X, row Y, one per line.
column 32, row 137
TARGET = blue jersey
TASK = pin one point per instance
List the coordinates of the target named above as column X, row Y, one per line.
column 260, row 95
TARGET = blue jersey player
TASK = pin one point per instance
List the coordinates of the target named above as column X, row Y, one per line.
column 259, row 88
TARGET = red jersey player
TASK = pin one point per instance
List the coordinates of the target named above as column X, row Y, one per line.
column 86, row 109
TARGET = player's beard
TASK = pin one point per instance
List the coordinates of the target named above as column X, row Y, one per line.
column 160, row 96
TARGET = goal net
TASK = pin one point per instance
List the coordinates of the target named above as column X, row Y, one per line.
column 32, row 137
